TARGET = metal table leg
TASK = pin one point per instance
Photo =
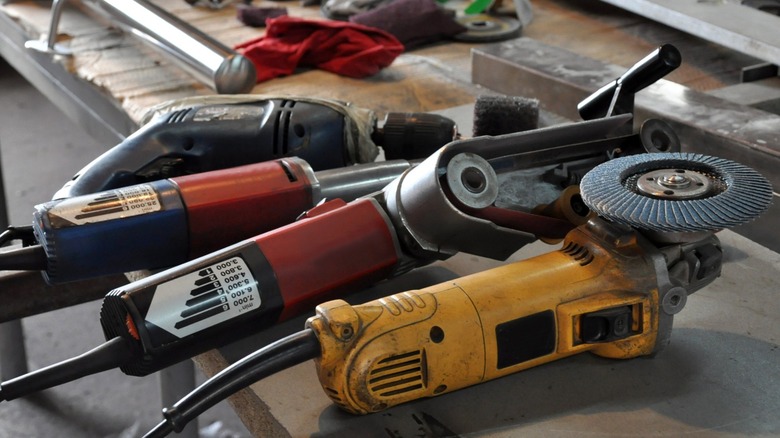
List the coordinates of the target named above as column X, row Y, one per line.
column 175, row 382
column 13, row 355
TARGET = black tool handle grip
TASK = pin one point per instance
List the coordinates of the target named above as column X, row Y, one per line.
column 651, row 68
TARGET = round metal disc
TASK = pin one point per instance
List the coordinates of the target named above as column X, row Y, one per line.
column 482, row 28
column 472, row 180
column 676, row 192
column 658, row 136
column 675, row 184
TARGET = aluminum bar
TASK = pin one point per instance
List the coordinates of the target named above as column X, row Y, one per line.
column 727, row 23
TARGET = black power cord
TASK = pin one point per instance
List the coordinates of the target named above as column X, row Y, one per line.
column 282, row 354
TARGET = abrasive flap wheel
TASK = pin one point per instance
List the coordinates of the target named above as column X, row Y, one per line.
column 676, row 192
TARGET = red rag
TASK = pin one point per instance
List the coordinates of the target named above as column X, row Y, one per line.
column 339, row 47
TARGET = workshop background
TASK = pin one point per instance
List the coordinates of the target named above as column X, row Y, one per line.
column 718, row 377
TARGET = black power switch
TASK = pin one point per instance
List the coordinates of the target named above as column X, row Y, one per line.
column 606, row 325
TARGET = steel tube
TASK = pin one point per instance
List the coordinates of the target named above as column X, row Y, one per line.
column 175, row 382
column 208, row 60
column 13, row 354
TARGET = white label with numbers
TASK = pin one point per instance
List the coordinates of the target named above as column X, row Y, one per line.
column 204, row 298
column 104, row 206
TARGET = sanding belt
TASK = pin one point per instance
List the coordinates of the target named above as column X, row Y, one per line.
column 357, row 49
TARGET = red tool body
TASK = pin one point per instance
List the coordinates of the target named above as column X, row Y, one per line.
column 176, row 313
column 306, row 265
column 181, row 218
column 218, row 203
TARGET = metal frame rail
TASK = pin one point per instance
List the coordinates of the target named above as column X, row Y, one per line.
column 728, row 23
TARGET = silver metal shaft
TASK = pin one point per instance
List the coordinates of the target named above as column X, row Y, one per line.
column 208, row 60
column 350, row 183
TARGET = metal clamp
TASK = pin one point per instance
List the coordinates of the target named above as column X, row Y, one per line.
column 208, row 60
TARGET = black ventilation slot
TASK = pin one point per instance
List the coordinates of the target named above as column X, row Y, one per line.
column 398, row 374
column 277, row 134
column 287, row 108
column 177, row 116
column 335, row 397
column 287, row 171
column 282, row 128
column 286, row 132
column 578, row 252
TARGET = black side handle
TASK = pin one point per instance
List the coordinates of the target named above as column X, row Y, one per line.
column 617, row 97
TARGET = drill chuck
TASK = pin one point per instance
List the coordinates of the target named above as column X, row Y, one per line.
column 414, row 135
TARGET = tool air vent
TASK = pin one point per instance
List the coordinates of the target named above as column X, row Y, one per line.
column 177, row 116
column 335, row 396
column 282, row 128
column 578, row 252
column 403, row 302
column 398, row 374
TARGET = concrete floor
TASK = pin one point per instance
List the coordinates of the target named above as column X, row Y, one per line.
column 41, row 149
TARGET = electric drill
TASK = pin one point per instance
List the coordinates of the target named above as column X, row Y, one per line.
column 175, row 220
column 444, row 205
column 227, row 131
column 611, row 289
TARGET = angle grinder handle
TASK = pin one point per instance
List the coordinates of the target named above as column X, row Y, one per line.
column 618, row 95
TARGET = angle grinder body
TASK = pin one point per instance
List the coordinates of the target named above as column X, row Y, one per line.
column 612, row 289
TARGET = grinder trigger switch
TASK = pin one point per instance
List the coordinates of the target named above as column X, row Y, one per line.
column 606, row 325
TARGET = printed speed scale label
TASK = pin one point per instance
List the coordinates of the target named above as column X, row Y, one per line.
column 204, row 298
column 105, row 206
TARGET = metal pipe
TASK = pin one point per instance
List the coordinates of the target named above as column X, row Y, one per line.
column 177, row 381
column 349, row 183
column 208, row 60
column 13, row 354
